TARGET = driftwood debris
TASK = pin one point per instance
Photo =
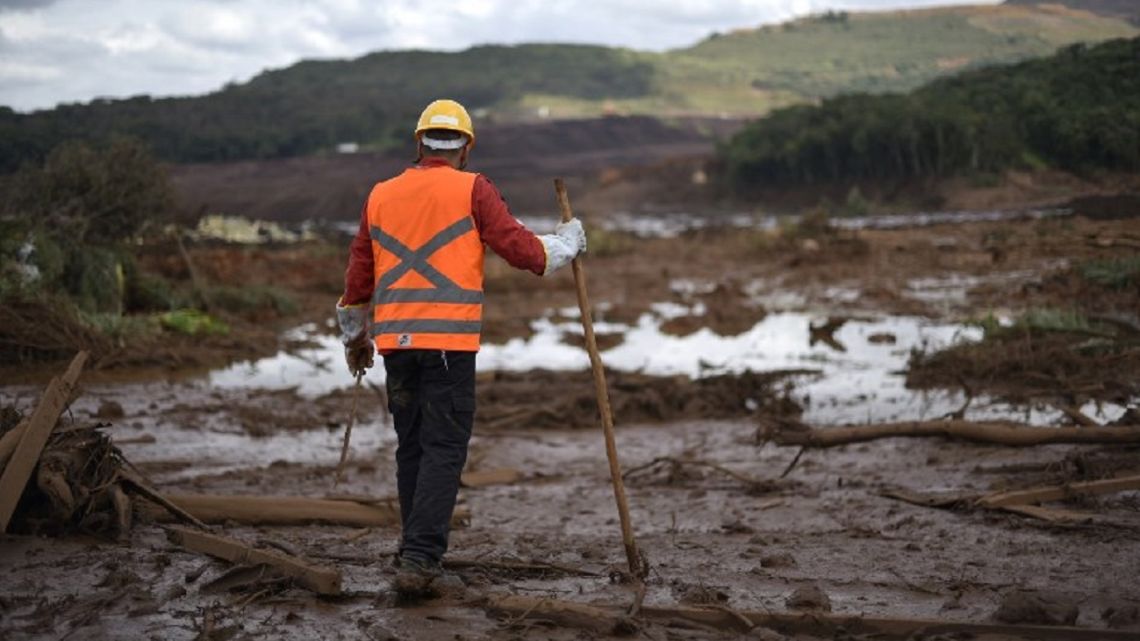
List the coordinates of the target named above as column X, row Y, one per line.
column 1023, row 501
column 1060, row 492
column 997, row 432
column 26, row 455
column 292, row 510
column 1051, row 515
column 140, row 486
column 606, row 619
column 319, row 579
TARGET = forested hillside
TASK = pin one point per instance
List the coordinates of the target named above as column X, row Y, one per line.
column 1078, row 110
column 312, row 106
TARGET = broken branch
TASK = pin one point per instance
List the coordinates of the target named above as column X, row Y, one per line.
column 317, row 578
column 998, row 432
column 1059, row 492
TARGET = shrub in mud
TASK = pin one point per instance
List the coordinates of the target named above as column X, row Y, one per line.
column 1045, row 355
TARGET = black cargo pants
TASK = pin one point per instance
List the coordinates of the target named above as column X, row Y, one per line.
column 431, row 395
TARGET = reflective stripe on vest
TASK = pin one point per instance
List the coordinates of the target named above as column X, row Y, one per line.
column 428, row 261
column 445, row 290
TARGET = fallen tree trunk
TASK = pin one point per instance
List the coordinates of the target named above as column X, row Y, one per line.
column 317, row 578
column 290, row 510
column 997, row 432
column 31, row 444
column 807, row 623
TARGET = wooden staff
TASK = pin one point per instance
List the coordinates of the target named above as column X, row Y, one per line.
column 348, row 430
column 631, row 553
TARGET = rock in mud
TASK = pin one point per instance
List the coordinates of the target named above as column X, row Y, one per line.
column 699, row 595
column 110, row 410
column 1121, row 615
column 809, row 597
column 1036, row 609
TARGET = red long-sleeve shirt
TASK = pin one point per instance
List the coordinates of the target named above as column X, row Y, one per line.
column 497, row 228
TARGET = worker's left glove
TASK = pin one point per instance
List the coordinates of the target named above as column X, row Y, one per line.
column 354, row 323
column 358, row 356
column 567, row 241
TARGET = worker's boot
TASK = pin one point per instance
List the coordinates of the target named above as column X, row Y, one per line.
column 418, row 578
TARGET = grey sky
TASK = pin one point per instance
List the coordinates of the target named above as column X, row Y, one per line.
column 55, row 51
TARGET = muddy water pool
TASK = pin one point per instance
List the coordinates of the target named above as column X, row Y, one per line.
column 855, row 376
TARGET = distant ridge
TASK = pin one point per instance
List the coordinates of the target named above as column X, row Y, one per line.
column 312, row 106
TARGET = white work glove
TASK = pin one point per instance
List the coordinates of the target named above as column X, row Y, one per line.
column 358, row 350
column 567, row 241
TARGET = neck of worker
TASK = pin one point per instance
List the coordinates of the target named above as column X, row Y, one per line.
column 432, row 158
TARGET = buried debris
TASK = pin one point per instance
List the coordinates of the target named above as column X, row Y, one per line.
column 319, row 579
column 81, row 480
column 611, row 620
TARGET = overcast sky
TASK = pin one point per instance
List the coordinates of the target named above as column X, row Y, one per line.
column 54, row 51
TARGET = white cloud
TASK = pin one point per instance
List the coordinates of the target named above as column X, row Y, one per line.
column 55, row 51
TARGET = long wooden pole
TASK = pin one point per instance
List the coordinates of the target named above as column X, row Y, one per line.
column 631, row 553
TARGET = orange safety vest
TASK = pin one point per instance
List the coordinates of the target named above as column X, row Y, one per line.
column 428, row 261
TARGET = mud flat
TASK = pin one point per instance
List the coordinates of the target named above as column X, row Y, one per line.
column 713, row 335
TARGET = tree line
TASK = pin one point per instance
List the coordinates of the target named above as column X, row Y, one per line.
column 314, row 105
column 1078, row 110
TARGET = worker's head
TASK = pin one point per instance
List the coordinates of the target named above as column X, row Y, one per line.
column 444, row 130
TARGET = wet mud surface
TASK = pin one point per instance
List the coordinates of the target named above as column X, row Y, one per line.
column 725, row 520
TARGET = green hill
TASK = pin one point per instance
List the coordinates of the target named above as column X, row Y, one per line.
column 1078, row 110
column 311, row 106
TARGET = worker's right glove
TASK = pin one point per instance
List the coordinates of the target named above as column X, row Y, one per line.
column 567, row 241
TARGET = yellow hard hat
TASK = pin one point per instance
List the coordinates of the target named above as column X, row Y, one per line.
column 446, row 114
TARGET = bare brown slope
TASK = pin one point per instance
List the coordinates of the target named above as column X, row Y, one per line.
column 521, row 159
column 1126, row 9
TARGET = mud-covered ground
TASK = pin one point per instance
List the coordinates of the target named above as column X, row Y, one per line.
column 720, row 522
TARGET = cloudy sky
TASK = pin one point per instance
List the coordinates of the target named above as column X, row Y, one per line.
column 54, row 51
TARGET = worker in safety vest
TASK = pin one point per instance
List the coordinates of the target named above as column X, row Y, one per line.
column 414, row 289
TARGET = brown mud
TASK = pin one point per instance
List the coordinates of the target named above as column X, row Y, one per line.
column 726, row 520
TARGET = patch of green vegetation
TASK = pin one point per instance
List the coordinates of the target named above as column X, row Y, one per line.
column 1115, row 273
column 1037, row 320
column 192, row 322
column 120, row 328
